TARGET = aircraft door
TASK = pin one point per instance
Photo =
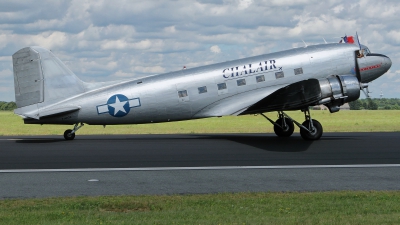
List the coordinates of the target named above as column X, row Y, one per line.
column 182, row 106
column 150, row 108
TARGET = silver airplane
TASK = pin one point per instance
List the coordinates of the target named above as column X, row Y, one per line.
column 47, row 92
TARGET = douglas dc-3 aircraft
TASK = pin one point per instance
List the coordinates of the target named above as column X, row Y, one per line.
column 47, row 92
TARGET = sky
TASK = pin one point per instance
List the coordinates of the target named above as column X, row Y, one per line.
column 110, row 40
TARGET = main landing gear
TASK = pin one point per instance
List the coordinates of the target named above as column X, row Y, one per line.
column 310, row 129
column 70, row 134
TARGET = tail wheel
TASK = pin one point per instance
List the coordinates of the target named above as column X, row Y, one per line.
column 313, row 133
column 68, row 135
column 286, row 129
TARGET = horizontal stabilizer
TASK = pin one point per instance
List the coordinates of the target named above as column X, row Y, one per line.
column 50, row 112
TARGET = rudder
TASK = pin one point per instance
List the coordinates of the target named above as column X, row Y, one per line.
column 39, row 76
column 28, row 77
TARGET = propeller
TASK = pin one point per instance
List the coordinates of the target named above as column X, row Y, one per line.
column 363, row 86
column 358, row 40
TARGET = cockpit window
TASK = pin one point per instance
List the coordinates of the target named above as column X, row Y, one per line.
column 363, row 52
column 360, row 53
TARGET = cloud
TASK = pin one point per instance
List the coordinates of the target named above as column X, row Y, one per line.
column 244, row 4
column 149, row 69
column 170, row 29
column 7, row 73
column 101, row 40
column 215, row 49
column 120, row 73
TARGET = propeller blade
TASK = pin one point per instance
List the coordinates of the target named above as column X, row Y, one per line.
column 357, row 68
column 358, row 40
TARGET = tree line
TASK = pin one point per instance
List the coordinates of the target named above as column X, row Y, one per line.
column 375, row 104
column 7, row 106
column 360, row 104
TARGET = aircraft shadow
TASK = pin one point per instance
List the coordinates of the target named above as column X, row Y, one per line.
column 268, row 143
column 260, row 141
column 39, row 141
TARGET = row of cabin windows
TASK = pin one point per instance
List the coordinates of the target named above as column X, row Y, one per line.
column 240, row 82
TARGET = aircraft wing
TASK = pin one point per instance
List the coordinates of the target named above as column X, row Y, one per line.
column 274, row 98
column 236, row 104
column 294, row 96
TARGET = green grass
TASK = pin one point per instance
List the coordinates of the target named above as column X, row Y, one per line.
column 348, row 207
column 343, row 121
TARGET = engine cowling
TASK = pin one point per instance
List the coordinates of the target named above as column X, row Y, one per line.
column 337, row 90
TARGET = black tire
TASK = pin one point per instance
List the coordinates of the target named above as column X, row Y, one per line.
column 286, row 131
column 313, row 135
column 68, row 136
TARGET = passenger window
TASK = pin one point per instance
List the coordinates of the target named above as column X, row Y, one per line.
column 182, row 94
column 221, row 86
column 260, row 78
column 279, row 75
column 202, row 89
column 298, row 71
column 241, row 82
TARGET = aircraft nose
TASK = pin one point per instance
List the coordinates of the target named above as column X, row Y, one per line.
column 387, row 63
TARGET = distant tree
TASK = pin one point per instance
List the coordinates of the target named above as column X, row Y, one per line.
column 7, row 106
column 372, row 104
column 355, row 105
column 387, row 107
column 365, row 105
column 396, row 107
column 384, row 103
column 11, row 106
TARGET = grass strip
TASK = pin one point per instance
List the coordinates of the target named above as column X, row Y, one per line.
column 345, row 207
column 343, row 121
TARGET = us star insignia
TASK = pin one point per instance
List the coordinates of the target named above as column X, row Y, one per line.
column 118, row 105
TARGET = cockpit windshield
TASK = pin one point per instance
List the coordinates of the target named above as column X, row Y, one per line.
column 363, row 52
column 366, row 51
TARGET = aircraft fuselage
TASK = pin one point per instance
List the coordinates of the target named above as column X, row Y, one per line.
column 227, row 88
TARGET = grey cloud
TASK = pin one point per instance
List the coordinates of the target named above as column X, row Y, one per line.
column 21, row 12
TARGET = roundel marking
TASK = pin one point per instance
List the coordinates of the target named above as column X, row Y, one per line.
column 118, row 105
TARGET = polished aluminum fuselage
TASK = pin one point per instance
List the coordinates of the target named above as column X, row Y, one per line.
column 158, row 94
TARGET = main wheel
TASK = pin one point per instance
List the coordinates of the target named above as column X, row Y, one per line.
column 68, row 136
column 284, row 131
column 314, row 134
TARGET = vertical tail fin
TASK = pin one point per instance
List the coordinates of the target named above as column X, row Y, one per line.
column 40, row 77
column 28, row 77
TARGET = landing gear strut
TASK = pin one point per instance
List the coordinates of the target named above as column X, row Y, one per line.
column 310, row 129
column 70, row 134
column 283, row 126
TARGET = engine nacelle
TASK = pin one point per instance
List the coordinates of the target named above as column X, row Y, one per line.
column 337, row 90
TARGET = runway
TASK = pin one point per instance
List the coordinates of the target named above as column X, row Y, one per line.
column 45, row 166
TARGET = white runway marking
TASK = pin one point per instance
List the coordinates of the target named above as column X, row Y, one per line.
column 197, row 168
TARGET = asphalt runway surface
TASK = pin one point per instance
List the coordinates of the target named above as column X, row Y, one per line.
column 47, row 166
